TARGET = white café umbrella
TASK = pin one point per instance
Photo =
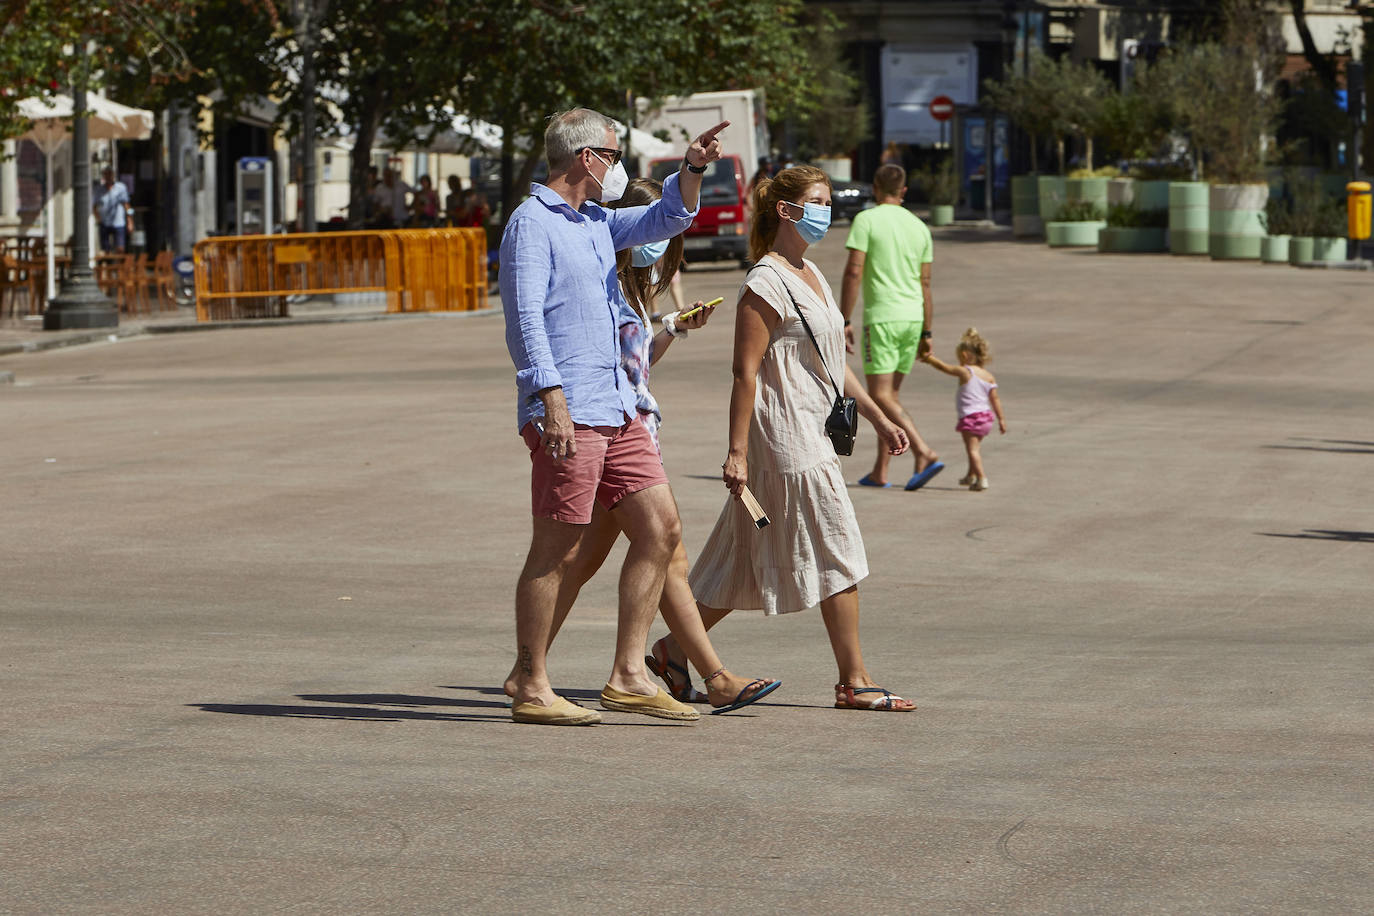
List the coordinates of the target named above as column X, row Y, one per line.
column 52, row 124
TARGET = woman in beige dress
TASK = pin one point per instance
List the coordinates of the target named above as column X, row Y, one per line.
column 812, row 553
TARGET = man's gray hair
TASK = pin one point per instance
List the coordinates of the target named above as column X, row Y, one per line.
column 569, row 131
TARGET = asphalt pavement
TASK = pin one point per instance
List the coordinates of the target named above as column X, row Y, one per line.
column 257, row 597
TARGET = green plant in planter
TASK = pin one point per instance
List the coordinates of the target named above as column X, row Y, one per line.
column 939, row 184
column 1277, row 217
column 1129, row 216
column 1331, row 221
column 1078, row 211
column 1308, row 202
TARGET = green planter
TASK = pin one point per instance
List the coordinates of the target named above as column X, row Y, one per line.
column 1074, row 235
column 1050, row 189
column 1235, row 226
column 1131, row 240
column 1300, row 249
column 1188, row 217
column 1025, row 207
column 941, row 214
column 1090, row 190
column 1274, row 249
column 1328, row 249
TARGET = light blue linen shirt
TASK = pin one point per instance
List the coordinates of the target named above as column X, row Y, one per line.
column 563, row 302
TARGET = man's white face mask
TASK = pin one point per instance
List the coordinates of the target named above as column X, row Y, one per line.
column 616, row 180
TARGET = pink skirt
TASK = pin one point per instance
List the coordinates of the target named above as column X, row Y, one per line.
column 980, row 423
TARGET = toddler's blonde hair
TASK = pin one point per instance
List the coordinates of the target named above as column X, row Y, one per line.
column 978, row 349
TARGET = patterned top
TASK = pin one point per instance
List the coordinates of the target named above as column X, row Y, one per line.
column 636, row 353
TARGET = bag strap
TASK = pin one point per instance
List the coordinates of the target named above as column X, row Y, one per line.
column 802, row 316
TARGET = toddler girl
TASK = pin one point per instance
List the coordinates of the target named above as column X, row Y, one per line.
column 976, row 400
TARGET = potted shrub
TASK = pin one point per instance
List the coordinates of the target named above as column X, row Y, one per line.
column 942, row 189
column 1329, row 243
column 1078, row 223
column 1304, row 216
column 1278, row 224
column 1131, row 229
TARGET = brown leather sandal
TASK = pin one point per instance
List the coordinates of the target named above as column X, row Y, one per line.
column 889, row 702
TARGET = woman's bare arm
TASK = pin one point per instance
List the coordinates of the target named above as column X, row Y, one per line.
column 754, row 324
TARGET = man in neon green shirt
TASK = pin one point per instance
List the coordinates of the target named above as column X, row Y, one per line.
column 890, row 252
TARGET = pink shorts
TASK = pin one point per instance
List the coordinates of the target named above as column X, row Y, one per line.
column 980, row 423
column 611, row 463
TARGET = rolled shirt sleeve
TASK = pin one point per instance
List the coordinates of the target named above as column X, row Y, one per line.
column 526, row 268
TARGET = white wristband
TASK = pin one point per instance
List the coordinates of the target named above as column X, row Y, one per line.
column 670, row 325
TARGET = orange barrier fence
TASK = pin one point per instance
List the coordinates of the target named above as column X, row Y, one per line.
column 250, row 276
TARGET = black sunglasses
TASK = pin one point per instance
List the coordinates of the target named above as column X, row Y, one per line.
column 615, row 154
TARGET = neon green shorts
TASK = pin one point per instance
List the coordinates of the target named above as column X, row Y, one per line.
column 890, row 346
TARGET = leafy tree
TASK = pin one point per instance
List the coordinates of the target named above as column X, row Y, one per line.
column 837, row 119
column 1055, row 99
column 554, row 55
column 1135, row 124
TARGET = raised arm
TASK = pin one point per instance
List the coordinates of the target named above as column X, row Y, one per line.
column 754, row 324
column 960, row 372
column 701, row 152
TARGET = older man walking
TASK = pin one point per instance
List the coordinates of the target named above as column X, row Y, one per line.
column 576, row 408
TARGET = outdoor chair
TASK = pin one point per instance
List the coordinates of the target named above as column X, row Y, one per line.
column 165, row 281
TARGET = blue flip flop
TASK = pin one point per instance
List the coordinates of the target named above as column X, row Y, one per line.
column 920, row 480
column 868, row 481
column 740, row 701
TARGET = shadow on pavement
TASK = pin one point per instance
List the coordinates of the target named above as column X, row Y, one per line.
column 346, row 713
column 1319, row 534
column 1327, row 445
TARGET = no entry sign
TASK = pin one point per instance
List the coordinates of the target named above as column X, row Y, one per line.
column 942, row 108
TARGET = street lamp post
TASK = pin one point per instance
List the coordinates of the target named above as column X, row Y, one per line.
column 80, row 303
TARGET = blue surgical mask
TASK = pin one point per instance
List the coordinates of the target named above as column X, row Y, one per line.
column 814, row 222
column 648, row 255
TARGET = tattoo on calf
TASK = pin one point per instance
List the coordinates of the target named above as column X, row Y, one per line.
column 525, row 667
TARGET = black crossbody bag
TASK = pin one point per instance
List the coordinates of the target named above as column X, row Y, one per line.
column 843, row 423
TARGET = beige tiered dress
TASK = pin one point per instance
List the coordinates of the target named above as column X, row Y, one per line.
column 813, row 548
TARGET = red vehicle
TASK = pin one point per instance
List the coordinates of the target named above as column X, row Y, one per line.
column 720, row 232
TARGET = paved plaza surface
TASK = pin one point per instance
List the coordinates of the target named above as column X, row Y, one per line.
column 257, row 599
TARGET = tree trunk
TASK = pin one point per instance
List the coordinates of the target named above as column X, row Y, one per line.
column 507, row 179
column 1319, row 62
column 1088, row 151
column 1035, row 153
column 1059, row 147
column 155, row 229
column 360, row 159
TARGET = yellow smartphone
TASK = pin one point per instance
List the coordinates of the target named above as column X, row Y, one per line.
column 712, row 304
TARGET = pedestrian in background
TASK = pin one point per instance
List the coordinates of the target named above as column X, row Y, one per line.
column 577, row 410
column 453, row 200
column 789, row 338
column 976, row 400
column 890, row 253
column 113, row 213
column 424, row 204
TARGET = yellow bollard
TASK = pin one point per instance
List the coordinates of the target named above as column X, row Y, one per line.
column 1358, row 205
